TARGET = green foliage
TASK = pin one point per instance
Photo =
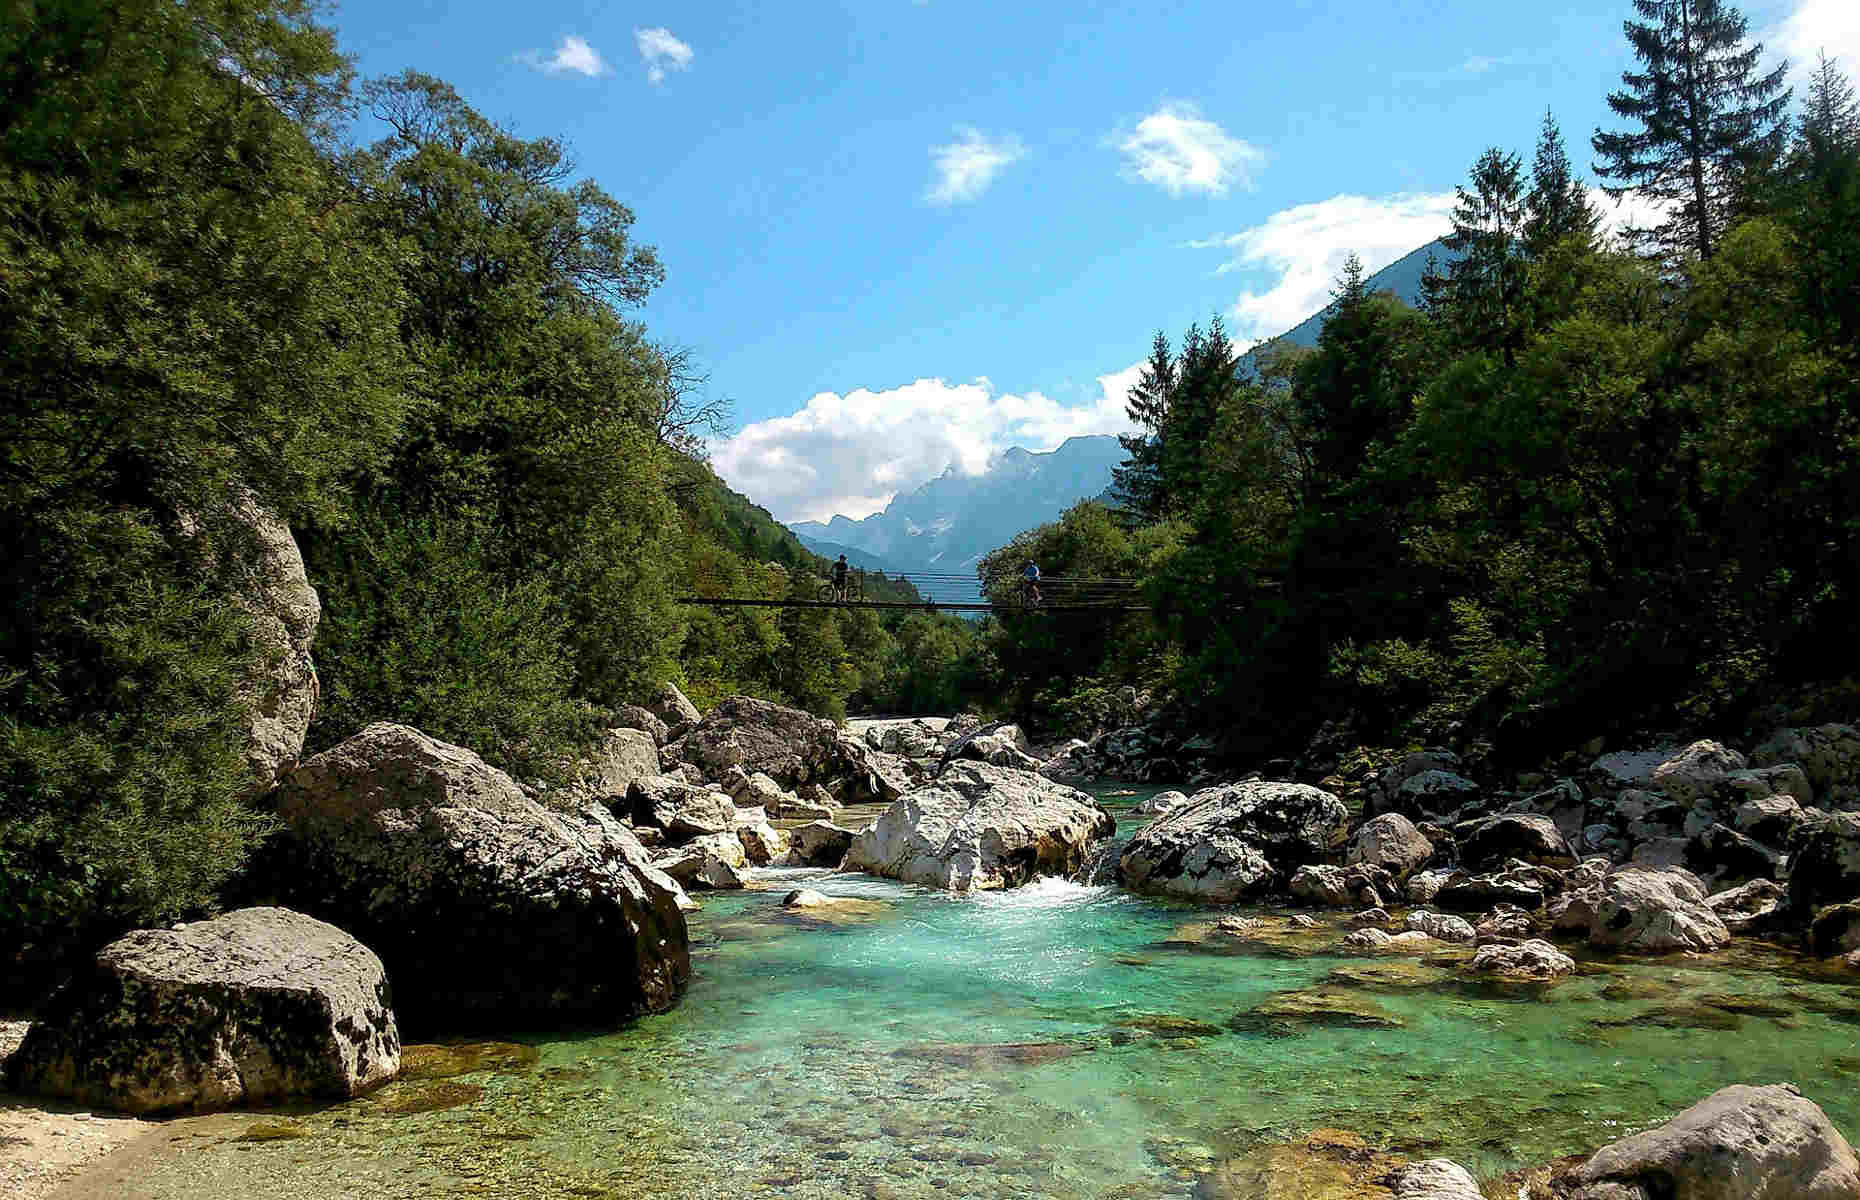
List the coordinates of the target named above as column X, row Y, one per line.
column 422, row 627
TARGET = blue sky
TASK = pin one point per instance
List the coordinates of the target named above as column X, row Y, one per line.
column 901, row 235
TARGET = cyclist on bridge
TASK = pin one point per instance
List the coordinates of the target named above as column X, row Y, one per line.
column 1032, row 576
column 839, row 578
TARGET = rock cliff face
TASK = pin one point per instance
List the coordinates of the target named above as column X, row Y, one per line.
column 260, row 1006
column 480, row 901
column 270, row 583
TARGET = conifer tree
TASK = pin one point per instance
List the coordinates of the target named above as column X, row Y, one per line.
column 1830, row 120
column 1705, row 119
column 1486, row 280
column 1137, row 484
column 1558, row 205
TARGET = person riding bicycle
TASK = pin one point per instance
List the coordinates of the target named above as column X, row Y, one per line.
column 1031, row 576
column 839, row 578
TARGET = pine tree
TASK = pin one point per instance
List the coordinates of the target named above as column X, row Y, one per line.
column 1136, row 486
column 1558, row 205
column 1485, row 283
column 1705, row 119
column 1206, row 377
column 1830, row 120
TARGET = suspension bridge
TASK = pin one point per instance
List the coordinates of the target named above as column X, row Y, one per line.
column 937, row 593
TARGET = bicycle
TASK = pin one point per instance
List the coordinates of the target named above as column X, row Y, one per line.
column 854, row 589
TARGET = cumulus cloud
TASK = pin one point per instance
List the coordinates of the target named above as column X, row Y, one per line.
column 572, row 55
column 1300, row 252
column 966, row 167
column 661, row 52
column 1815, row 26
column 1179, row 150
column 850, row 454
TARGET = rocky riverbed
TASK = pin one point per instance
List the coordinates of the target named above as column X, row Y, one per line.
column 1008, row 986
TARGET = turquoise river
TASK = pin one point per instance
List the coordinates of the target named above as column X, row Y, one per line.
column 1058, row 1040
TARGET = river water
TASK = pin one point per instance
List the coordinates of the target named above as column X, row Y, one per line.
column 1059, row 1040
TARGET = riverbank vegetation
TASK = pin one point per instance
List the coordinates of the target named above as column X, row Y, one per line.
column 1587, row 485
column 228, row 266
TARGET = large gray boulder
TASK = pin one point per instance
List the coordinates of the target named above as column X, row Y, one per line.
column 1826, row 870
column 1696, row 772
column 622, row 756
column 1655, row 912
column 1390, row 841
column 260, row 1006
column 1828, row 754
column 789, row 746
column 981, row 827
column 1739, row 1143
column 673, row 707
column 818, row 844
column 1531, row 837
column 1236, row 840
column 482, row 903
column 246, row 539
column 682, row 810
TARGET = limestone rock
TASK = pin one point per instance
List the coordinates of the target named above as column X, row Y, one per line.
column 1535, row 959
column 1826, row 870
column 1390, row 841
column 716, row 860
column 762, row 842
column 1828, row 754
column 680, row 809
column 981, row 827
column 1721, row 855
column 1232, row 841
column 1739, row 1143
column 261, row 1006
column 1531, row 837
column 1424, row 886
column 1654, row 912
column 1381, row 793
column 671, row 706
column 1835, row 931
column 1434, row 791
column 269, row 582
column 1630, row 768
column 1771, row 820
column 622, row 756
column 1443, row 926
column 480, row 901
column 1696, row 772
column 1433, row 1179
column 1160, row 803
column 818, row 844
column 1748, row 907
column 635, row 716
column 1367, row 939
column 786, row 744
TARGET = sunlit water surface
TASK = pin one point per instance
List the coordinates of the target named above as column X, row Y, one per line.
column 1058, row 1040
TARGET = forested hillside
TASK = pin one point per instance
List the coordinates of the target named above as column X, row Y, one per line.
column 419, row 353
column 1585, row 487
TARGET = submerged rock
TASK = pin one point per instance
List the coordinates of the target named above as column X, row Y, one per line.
column 260, row 1006
column 1739, row 1143
column 480, row 901
column 981, row 827
column 1233, row 841
column 1534, row 960
column 1307, row 1008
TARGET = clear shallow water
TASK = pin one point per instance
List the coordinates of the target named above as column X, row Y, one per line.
column 1058, row 1040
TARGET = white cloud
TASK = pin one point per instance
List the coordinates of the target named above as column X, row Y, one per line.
column 1179, row 150
column 966, row 167
column 1302, row 251
column 661, row 52
column 1815, row 26
column 852, row 453
column 1631, row 211
column 573, row 55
